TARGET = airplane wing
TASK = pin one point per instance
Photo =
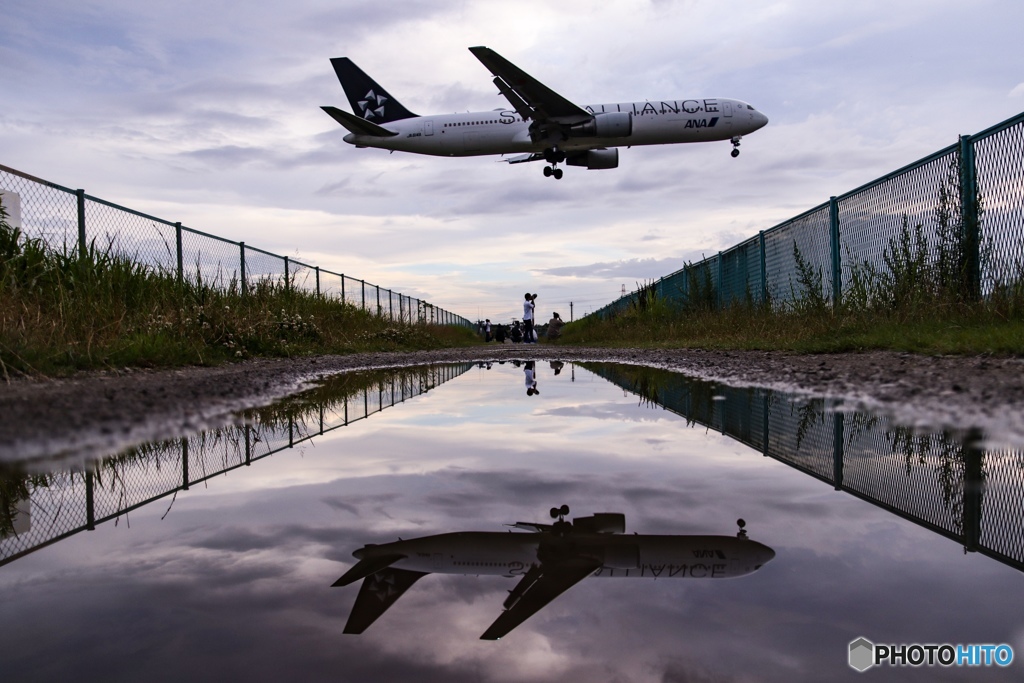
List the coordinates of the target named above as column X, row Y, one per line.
column 529, row 97
column 356, row 125
column 379, row 592
column 535, row 590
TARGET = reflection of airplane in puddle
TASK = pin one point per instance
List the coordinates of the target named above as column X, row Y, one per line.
column 550, row 561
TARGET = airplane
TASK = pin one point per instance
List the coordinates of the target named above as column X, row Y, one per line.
column 539, row 125
column 549, row 561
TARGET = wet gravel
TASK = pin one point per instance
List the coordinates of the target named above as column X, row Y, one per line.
column 94, row 413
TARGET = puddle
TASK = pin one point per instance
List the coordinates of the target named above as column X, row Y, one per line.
column 215, row 554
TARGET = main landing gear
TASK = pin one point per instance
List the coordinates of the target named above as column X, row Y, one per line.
column 735, row 147
column 553, row 156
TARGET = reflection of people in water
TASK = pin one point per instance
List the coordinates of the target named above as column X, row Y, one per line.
column 557, row 366
column 531, row 379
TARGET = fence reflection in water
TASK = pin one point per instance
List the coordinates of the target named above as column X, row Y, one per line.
column 942, row 480
column 37, row 510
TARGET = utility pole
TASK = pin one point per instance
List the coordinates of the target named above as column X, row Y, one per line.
column 570, row 311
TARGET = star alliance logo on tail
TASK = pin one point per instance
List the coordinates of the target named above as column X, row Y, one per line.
column 372, row 105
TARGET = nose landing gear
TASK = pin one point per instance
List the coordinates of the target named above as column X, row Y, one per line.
column 553, row 156
column 735, row 147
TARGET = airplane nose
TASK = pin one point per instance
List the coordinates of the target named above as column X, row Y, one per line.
column 764, row 556
column 760, row 119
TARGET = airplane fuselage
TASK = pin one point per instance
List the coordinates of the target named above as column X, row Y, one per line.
column 512, row 554
column 503, row 131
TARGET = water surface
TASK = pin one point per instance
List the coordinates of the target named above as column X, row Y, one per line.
column 213, row 555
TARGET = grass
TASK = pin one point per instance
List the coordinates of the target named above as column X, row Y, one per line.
column 930, row 330
column 64, row 311
column 915, row 303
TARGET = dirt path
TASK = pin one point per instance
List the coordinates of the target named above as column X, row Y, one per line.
column 100, row 412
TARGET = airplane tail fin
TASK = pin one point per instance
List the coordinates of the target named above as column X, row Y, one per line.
column 378, row 592
column 368, row 99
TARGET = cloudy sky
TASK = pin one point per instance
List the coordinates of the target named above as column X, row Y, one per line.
column 208, row 113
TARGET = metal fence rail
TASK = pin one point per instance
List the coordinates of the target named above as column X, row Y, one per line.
column 55, row 506
column 939, row 480
column 71, row 219
column 968, row 200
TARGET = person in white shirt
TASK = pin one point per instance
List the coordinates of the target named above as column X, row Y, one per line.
column 528, row 307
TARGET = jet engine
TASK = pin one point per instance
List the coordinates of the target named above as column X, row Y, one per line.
column 595, row 159
column 612, row 124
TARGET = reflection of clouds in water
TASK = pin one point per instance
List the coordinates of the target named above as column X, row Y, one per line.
column 238, row 580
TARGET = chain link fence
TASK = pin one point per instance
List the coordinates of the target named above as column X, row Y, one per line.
column 966, row 201
column 71, row 220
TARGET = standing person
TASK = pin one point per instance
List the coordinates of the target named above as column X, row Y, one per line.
column 528, row 306
column 487, row 330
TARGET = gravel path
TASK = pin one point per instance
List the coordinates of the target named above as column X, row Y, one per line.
column 96, row 413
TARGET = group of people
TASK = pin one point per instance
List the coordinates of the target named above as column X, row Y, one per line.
column 525, row 332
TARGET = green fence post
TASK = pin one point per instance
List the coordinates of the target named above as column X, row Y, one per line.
column 287, row 276
column 764, row 275
column 719, row 299
column 184, row 463
column 80, row 195
column 765, row 420
column 391, row 307
column 363, row 283
column 973, row 490
column 248, row 446
column 343, row 288
column 90, row 509
column 971, row 226
column 837, row 273
column 177, row 239
column 838, row 436
column 241, row 268
column 317, row 268
column 377, row 287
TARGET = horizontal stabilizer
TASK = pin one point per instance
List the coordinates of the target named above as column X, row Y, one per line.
column 378, row 592
column 357, row 125
column 364, row 568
